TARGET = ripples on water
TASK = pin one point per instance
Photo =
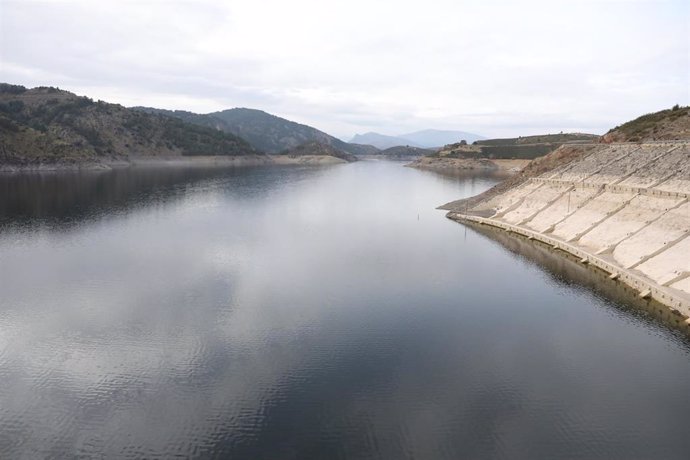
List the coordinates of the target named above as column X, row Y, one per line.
column 307, row 313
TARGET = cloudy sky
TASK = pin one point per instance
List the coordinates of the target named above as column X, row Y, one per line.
column 493, row 67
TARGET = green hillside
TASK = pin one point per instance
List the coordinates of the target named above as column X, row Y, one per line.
column 44, row 125
column 262, row 130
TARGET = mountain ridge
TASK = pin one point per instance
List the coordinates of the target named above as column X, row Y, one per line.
column 49, row 125
column 381, row 141
column 264, row 131
column 440, row 137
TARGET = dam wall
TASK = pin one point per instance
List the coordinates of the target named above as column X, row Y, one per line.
column 624, row 208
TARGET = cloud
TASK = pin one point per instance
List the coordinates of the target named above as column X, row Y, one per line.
column 347, row 67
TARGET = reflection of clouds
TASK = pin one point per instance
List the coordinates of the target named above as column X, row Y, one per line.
column 128, row 309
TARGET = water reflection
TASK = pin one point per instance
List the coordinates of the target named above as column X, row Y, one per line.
column 67, row 197
column 312, row 313
column 565, row 269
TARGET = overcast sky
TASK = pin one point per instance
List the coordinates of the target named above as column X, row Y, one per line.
column 497, row 68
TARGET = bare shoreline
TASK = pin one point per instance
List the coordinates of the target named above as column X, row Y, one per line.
column 176, row 161
column 488, row 164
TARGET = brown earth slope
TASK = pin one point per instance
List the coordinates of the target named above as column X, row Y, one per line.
column 671, row 124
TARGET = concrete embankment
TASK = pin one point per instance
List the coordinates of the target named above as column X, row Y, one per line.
column 623, row 208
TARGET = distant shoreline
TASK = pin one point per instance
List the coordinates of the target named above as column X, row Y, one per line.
column 486, row 164
column 176, row 161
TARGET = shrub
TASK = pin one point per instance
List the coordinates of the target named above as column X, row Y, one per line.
column 11, row 89
column 12, row 107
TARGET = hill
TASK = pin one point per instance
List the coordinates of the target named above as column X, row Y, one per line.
column 671, row 124
column 405, row 152
column 319, row 149
column 262, row 130
column 48, row 125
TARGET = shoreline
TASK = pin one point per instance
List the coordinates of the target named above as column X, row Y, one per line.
column 643, row 287
column 237, row 161
column 558, row 262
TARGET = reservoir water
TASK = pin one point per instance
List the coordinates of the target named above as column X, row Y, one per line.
column 308, row 313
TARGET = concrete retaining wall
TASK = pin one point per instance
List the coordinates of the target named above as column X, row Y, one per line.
column 624, row 208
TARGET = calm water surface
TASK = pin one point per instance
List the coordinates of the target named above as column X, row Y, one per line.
column 308, row 313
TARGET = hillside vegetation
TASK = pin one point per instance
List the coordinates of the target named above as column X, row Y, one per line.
column 48, row 125
column 671, row 124
column 403, row 152
column 262, row 130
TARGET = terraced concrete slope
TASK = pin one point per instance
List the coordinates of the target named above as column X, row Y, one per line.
column 622, row 207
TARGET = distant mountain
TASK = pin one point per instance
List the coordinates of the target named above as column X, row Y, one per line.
column 427, row 138
column 265, row 132
column 48, row 125
column 439, row 138
column 381, row 141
